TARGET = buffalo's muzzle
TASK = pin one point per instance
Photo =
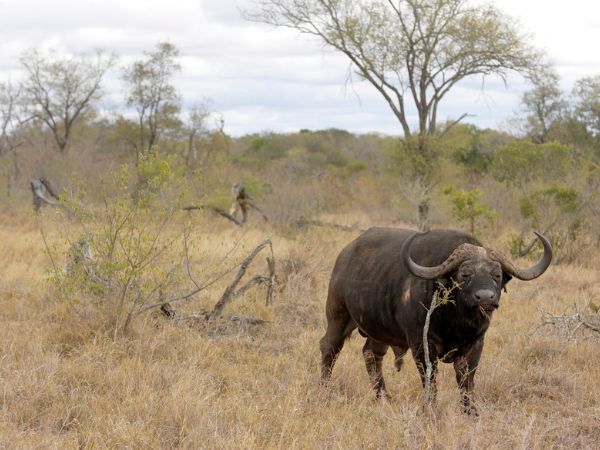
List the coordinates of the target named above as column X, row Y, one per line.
column 487, row 298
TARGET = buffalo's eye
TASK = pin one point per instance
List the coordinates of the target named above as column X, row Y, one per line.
column 497, row 277
column 464, row 276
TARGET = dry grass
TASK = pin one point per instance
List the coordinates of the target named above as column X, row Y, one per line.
column 65, row 385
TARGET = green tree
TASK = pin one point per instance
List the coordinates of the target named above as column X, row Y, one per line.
column 151, row 94
column 413, row 53
column 467, row 206
column 474, row 148
column 522, row 162
column 59, row 91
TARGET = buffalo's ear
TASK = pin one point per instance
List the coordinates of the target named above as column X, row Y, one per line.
column 506, row 277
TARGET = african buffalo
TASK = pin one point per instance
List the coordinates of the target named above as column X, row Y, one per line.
column 377, row 287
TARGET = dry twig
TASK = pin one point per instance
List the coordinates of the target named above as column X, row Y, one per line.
column 569, row 324
column 440, row 297
column 230, row 292
column 428, row 363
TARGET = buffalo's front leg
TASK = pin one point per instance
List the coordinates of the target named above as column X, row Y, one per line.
column 399, row 353
column 465, row 367
column 373, row 353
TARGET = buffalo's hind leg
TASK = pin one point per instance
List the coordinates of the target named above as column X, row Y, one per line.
column 373, row 353
column 399, row 353
column 339, row 326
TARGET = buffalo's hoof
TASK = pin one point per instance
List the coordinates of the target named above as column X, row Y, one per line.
column 398, row 364
column 383, row 396
column 470, row 410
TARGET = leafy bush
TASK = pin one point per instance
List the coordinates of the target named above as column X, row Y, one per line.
column 556, row 212
column 522, row 162
column 266, row 147
column 467, row 206
column 123, row 260
column 154, row 173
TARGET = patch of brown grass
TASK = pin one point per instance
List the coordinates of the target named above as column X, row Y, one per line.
column 65, row 384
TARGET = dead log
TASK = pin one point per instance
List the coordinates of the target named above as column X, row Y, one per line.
column 49, row 188
column 227, row 216
column 241, row 202
column 230, row 292
column 169, row 313
column 43, row 194
column 304, row 222
column 215, row 210
column 260, row 211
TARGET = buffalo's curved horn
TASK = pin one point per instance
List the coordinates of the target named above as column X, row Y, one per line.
column 430, row 273
column 532, row 272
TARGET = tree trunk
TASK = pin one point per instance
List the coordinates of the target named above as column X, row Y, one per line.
column 423, row 214
column 13, row 178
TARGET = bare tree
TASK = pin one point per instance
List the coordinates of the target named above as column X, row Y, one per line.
column 61, row 90
column 544, row 103
column 10, row 121
column 150, row 92
column 197, row 131
column 413, row 52
column 587, row 103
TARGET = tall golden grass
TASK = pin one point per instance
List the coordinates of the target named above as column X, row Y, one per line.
column 66, row 384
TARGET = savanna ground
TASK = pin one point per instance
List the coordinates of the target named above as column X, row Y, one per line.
column 65, row 383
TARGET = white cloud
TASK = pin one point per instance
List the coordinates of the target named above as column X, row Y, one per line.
column 263, row 78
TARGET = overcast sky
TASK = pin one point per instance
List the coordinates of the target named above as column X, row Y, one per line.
column 265, row 79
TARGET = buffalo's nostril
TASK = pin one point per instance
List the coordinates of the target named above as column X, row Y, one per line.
column 485, row 296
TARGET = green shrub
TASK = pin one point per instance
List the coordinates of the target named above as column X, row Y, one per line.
column 556, row 212
column 521, row 162
column 467, row 206
column 122, row 261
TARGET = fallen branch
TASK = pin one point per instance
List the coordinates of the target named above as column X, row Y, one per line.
column 230, row 292
column 43, row 194
column 188, row 295
column 303, row 222
column 200, row 318
column 216, row 210
column 260, row 211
